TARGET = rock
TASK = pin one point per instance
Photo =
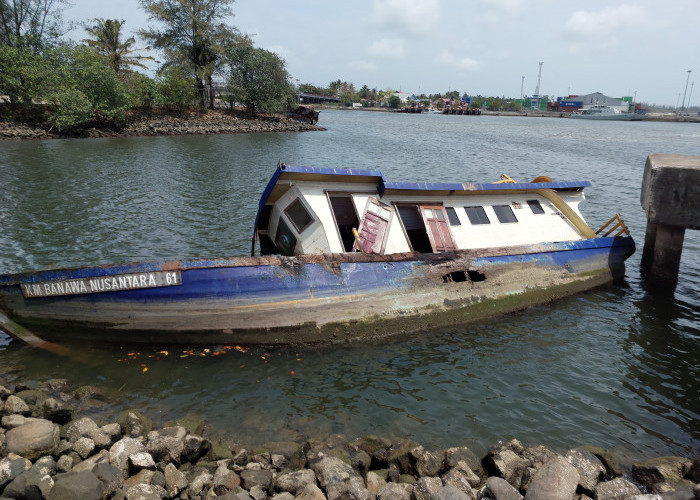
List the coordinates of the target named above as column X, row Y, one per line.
column 33, row 439
column 112, row 431
column 65, row 463
column 83, row 446
column 110, row 478
column 145, row 492
column 339, row 479
column 57, row 412
column 463, row 454
column 400, row 454
column 220, row 450
column 16, row 405
column 251, row 478
column 225, row 480
column 199, row 483
column 120, row 451
column 555, row 480
column 86, row 427
column 175, row 481
column 612, row 467
column 82, row 485
column 428, row 463
column 395, row 491
column 141, row 460
column 143, row 476
column 616, row 489
column 457, row 479
column 450, row 493
column 283, row 496
column 472, row 478
column 694, row 471
column 38, row 483
column 134, row 424
column 100, row 458
column 311, row 492
column 659, row 470
column 377, row 448
column 649, row 496
column 590, row 469
column 12, row 466
column 15, row 420
column 497, row 488
column 503, row 461
column 426, row 488
column 294, row 482
column 195, row 448
column 167, row 444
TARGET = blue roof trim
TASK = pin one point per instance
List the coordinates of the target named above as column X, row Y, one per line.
column 454, row 186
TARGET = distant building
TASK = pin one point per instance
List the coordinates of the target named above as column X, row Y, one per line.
column 576, row 102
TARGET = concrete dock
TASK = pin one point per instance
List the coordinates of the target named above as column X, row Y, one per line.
column 671, row 198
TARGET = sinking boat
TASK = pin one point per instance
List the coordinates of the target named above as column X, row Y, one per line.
column 342, row 255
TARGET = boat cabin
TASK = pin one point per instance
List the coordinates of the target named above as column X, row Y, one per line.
column 306, row 210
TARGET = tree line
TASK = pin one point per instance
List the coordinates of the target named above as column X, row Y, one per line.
column 73, row 84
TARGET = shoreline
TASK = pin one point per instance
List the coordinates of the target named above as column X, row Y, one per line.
column 162, row 123
column 48, row 449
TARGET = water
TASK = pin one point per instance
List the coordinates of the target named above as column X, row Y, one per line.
column 615, row 367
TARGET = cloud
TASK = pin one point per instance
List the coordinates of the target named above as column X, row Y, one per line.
column 447, row 58
column 387, row 49
column 604, row 28
column 497, row 10
column 362, row 66
column 406, row 17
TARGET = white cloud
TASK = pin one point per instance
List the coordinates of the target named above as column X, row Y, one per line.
column 387, row 49
column 407, row 17
column 497, row 10
column 604, row 28
column 447, row 58
column 362, row 66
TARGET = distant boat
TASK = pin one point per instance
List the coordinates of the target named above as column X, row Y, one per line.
column 601, row 112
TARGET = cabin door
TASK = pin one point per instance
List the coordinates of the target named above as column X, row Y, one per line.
column 436, row 225
column 373, row 226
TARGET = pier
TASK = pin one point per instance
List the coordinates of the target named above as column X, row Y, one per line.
column 670, row 194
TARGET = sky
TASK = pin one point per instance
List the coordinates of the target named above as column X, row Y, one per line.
column 641, row 48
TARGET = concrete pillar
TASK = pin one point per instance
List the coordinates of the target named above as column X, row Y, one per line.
column 671, row 199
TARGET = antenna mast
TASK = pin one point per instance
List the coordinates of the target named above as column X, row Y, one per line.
column 539, row 76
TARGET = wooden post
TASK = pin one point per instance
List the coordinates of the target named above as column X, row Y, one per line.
column 671, row 199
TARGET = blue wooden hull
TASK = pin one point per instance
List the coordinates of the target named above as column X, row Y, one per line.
column 303, row 299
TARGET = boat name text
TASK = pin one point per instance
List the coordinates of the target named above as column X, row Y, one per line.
column 101, row 284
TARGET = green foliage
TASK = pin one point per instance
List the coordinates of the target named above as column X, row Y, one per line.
column 259, row 80
column 70, row 108
column 23, row 74
column 142, row 91
column 394, row 102
column 175, row 89
column 106, row 40
column 31, row 22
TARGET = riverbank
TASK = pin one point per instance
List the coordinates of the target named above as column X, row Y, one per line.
column 165, row 123
column 49, row 449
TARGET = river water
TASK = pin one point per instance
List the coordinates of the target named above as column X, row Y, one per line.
column 616, row 367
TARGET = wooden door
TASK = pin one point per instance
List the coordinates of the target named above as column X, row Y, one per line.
column 436, row 225
column 373, row 226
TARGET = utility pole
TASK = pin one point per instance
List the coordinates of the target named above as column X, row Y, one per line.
column 522, row 83
column 539, row 77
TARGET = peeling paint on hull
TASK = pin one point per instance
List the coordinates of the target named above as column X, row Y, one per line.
column 312, row 299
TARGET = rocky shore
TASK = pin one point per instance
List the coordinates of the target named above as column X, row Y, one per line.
column 165, row 123
column 50, row 450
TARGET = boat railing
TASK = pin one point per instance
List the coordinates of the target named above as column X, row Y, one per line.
column 614, row 225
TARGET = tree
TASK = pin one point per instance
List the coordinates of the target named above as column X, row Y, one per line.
column 259, row 80
column 106, row 40
column 30, row 21
column 193, row 33
column 394, row 102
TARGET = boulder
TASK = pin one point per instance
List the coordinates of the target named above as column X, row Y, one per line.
column 555, row 480
column 457, row 479
column 134, row 424
column 451, row 493
column 463, row 454
column 616, row 489
column 505, row 461
column 428, row 463
column 395, row 491
column 140, row 461
column 374, row 482
column 16, row 405
column 497, row 488
column 590, row 469
column 199, row 483
column 339, row 479
column 33, row 440
column 426, row 488
column 100, row 458
column 251, row 478
column 195, row 448
column 311, row 492
column 82, row 485
column 658, row 470
column 167, row 444
column 86, row 427
column 175, row 481
column 12, row 466
column 294, row 482
column 225, row 480
column 110, row 478
column 120, row 451
column 145, row 492
column 83, row 446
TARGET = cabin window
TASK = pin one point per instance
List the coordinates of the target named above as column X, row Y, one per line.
column 345, row 218
column 505, row 214
column 452, row 216
column 285, row 241
column 298, row 215
column 477, row 215
column 535, row 207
